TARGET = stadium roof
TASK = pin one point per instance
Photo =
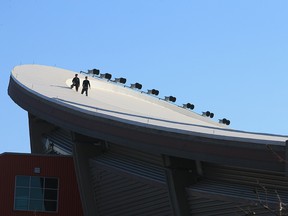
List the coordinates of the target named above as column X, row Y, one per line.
column 111, row 100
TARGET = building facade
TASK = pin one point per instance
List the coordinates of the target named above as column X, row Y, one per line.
column 38, row 185
column 137, row 154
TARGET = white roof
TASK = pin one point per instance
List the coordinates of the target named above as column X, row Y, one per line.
column 121, row 103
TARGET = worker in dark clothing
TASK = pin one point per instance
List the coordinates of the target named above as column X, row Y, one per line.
column 85, row 86
column 75, row 82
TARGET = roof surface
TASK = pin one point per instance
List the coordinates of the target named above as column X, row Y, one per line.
column 118, row 102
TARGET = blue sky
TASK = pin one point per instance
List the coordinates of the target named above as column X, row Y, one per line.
column 228, row 57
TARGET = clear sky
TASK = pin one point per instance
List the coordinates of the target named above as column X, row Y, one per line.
column 226, row 56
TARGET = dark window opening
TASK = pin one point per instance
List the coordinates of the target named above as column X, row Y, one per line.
column 33, row 193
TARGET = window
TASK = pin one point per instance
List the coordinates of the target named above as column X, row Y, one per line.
column 34, row 193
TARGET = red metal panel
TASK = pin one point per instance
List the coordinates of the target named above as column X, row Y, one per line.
column 61, row 167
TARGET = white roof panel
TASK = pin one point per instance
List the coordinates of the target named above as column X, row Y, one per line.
column 115, row 101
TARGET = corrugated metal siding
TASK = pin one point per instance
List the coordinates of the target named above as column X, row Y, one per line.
column 61, row 141
column 237, row 192
column 125, row 186
column 230, row 190
column 143, row 156
column 132, row 166
column 245, row 176
column 208, row 207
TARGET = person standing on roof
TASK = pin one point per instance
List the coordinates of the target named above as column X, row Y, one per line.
column 75, row 82
column 85, row 86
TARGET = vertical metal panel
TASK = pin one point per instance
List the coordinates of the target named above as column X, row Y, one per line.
column 125, row 186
